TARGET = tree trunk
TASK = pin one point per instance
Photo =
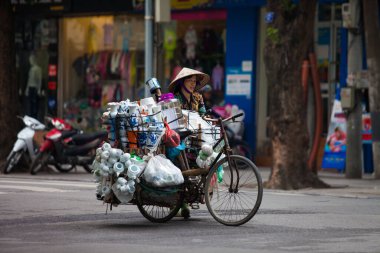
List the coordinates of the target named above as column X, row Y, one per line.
column 9, row 101
column 288, row 41
column 372, row 38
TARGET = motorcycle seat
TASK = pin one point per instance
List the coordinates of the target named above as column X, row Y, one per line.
column 81, row 139
column 82, row 150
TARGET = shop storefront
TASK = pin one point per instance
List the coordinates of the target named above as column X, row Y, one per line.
column 97, row 55
column 102, row 60
column 189, row 41
column 221, row 39
column 36, row 63
column 73, row 57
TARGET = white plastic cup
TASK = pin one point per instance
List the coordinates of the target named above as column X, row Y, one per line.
column 133, row 171
column 118, row 167
column 106, row 146
column 131, row 186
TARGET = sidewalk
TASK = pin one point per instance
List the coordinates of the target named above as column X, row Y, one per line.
column 367, row 187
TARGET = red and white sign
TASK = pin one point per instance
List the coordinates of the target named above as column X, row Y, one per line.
column 52, row 70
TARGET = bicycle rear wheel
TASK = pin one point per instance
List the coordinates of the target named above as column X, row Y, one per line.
column 234, row 204
column 159, row 205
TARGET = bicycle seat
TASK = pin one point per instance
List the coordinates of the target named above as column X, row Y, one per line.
column 183, row 133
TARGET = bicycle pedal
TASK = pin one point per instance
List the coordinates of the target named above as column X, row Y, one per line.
column 194, row 206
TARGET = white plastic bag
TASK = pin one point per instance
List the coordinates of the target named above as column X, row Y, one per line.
column 161, row 172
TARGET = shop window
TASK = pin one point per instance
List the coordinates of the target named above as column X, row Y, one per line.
column 338, row 12
column 199, row 45
column 324, row 12
column 103, row 61
column 36, row 50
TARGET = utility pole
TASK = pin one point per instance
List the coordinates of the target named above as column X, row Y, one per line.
column 149, row 36
column 354, row 118
column 372, row 38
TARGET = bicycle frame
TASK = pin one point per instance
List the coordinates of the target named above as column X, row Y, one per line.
column 226, row 149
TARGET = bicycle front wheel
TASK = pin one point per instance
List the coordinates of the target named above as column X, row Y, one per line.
column 234, row 198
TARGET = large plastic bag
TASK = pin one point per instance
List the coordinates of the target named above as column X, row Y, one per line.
column 161, row 172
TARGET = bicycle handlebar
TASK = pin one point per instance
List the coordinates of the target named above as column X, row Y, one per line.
column 233, row 117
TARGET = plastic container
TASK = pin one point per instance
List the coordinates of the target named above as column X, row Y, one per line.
column 172, row 111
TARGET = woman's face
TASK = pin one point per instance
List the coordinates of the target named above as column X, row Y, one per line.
column 190, row 83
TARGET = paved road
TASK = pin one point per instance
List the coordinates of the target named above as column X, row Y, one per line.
column 55, row 213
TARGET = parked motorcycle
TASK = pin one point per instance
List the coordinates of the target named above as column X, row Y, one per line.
column 66, row 147
column 24, row 146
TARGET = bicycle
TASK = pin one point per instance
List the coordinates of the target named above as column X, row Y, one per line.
column 232, row 201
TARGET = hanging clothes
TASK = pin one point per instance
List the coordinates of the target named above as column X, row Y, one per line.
column 124, row 61
column 125, row 35
column 132, row 69
column 115, row 62
column 92, row 38
column 190, row 41
column 170, row 43
column 108, row 35
column 102, row 64
column 209, row 41
column 217, row 77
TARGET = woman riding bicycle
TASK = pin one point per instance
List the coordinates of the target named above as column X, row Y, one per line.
column 185, row 87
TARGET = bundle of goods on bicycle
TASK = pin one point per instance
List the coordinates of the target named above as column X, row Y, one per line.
column 117, row 173
column 140, row 124
column 136, row 124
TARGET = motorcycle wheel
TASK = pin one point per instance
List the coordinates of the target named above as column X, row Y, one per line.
column 64, row 168
column 12, row 161
column 87, row 168
column 41, row 161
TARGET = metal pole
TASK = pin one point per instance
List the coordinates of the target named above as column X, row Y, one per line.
column 148, row 43
column 354, row 119
column 372, row 27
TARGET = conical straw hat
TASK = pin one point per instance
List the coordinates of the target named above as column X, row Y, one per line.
column 202, row 78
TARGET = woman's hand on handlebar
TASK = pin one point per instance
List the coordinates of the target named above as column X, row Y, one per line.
column 233, row 117
column 210, row 113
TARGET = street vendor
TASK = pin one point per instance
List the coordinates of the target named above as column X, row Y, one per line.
column 185, row 87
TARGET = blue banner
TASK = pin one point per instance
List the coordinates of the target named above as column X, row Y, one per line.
column 334, row 156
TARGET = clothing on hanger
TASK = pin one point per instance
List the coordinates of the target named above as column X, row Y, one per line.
column 132, row 69
column 124, row 62
column 170, row 43
column 209, row 41
column 217, row 77
column 102, row 64
column 115, row 62
column 108, row 35
column 190, row 41
column 92, row 38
